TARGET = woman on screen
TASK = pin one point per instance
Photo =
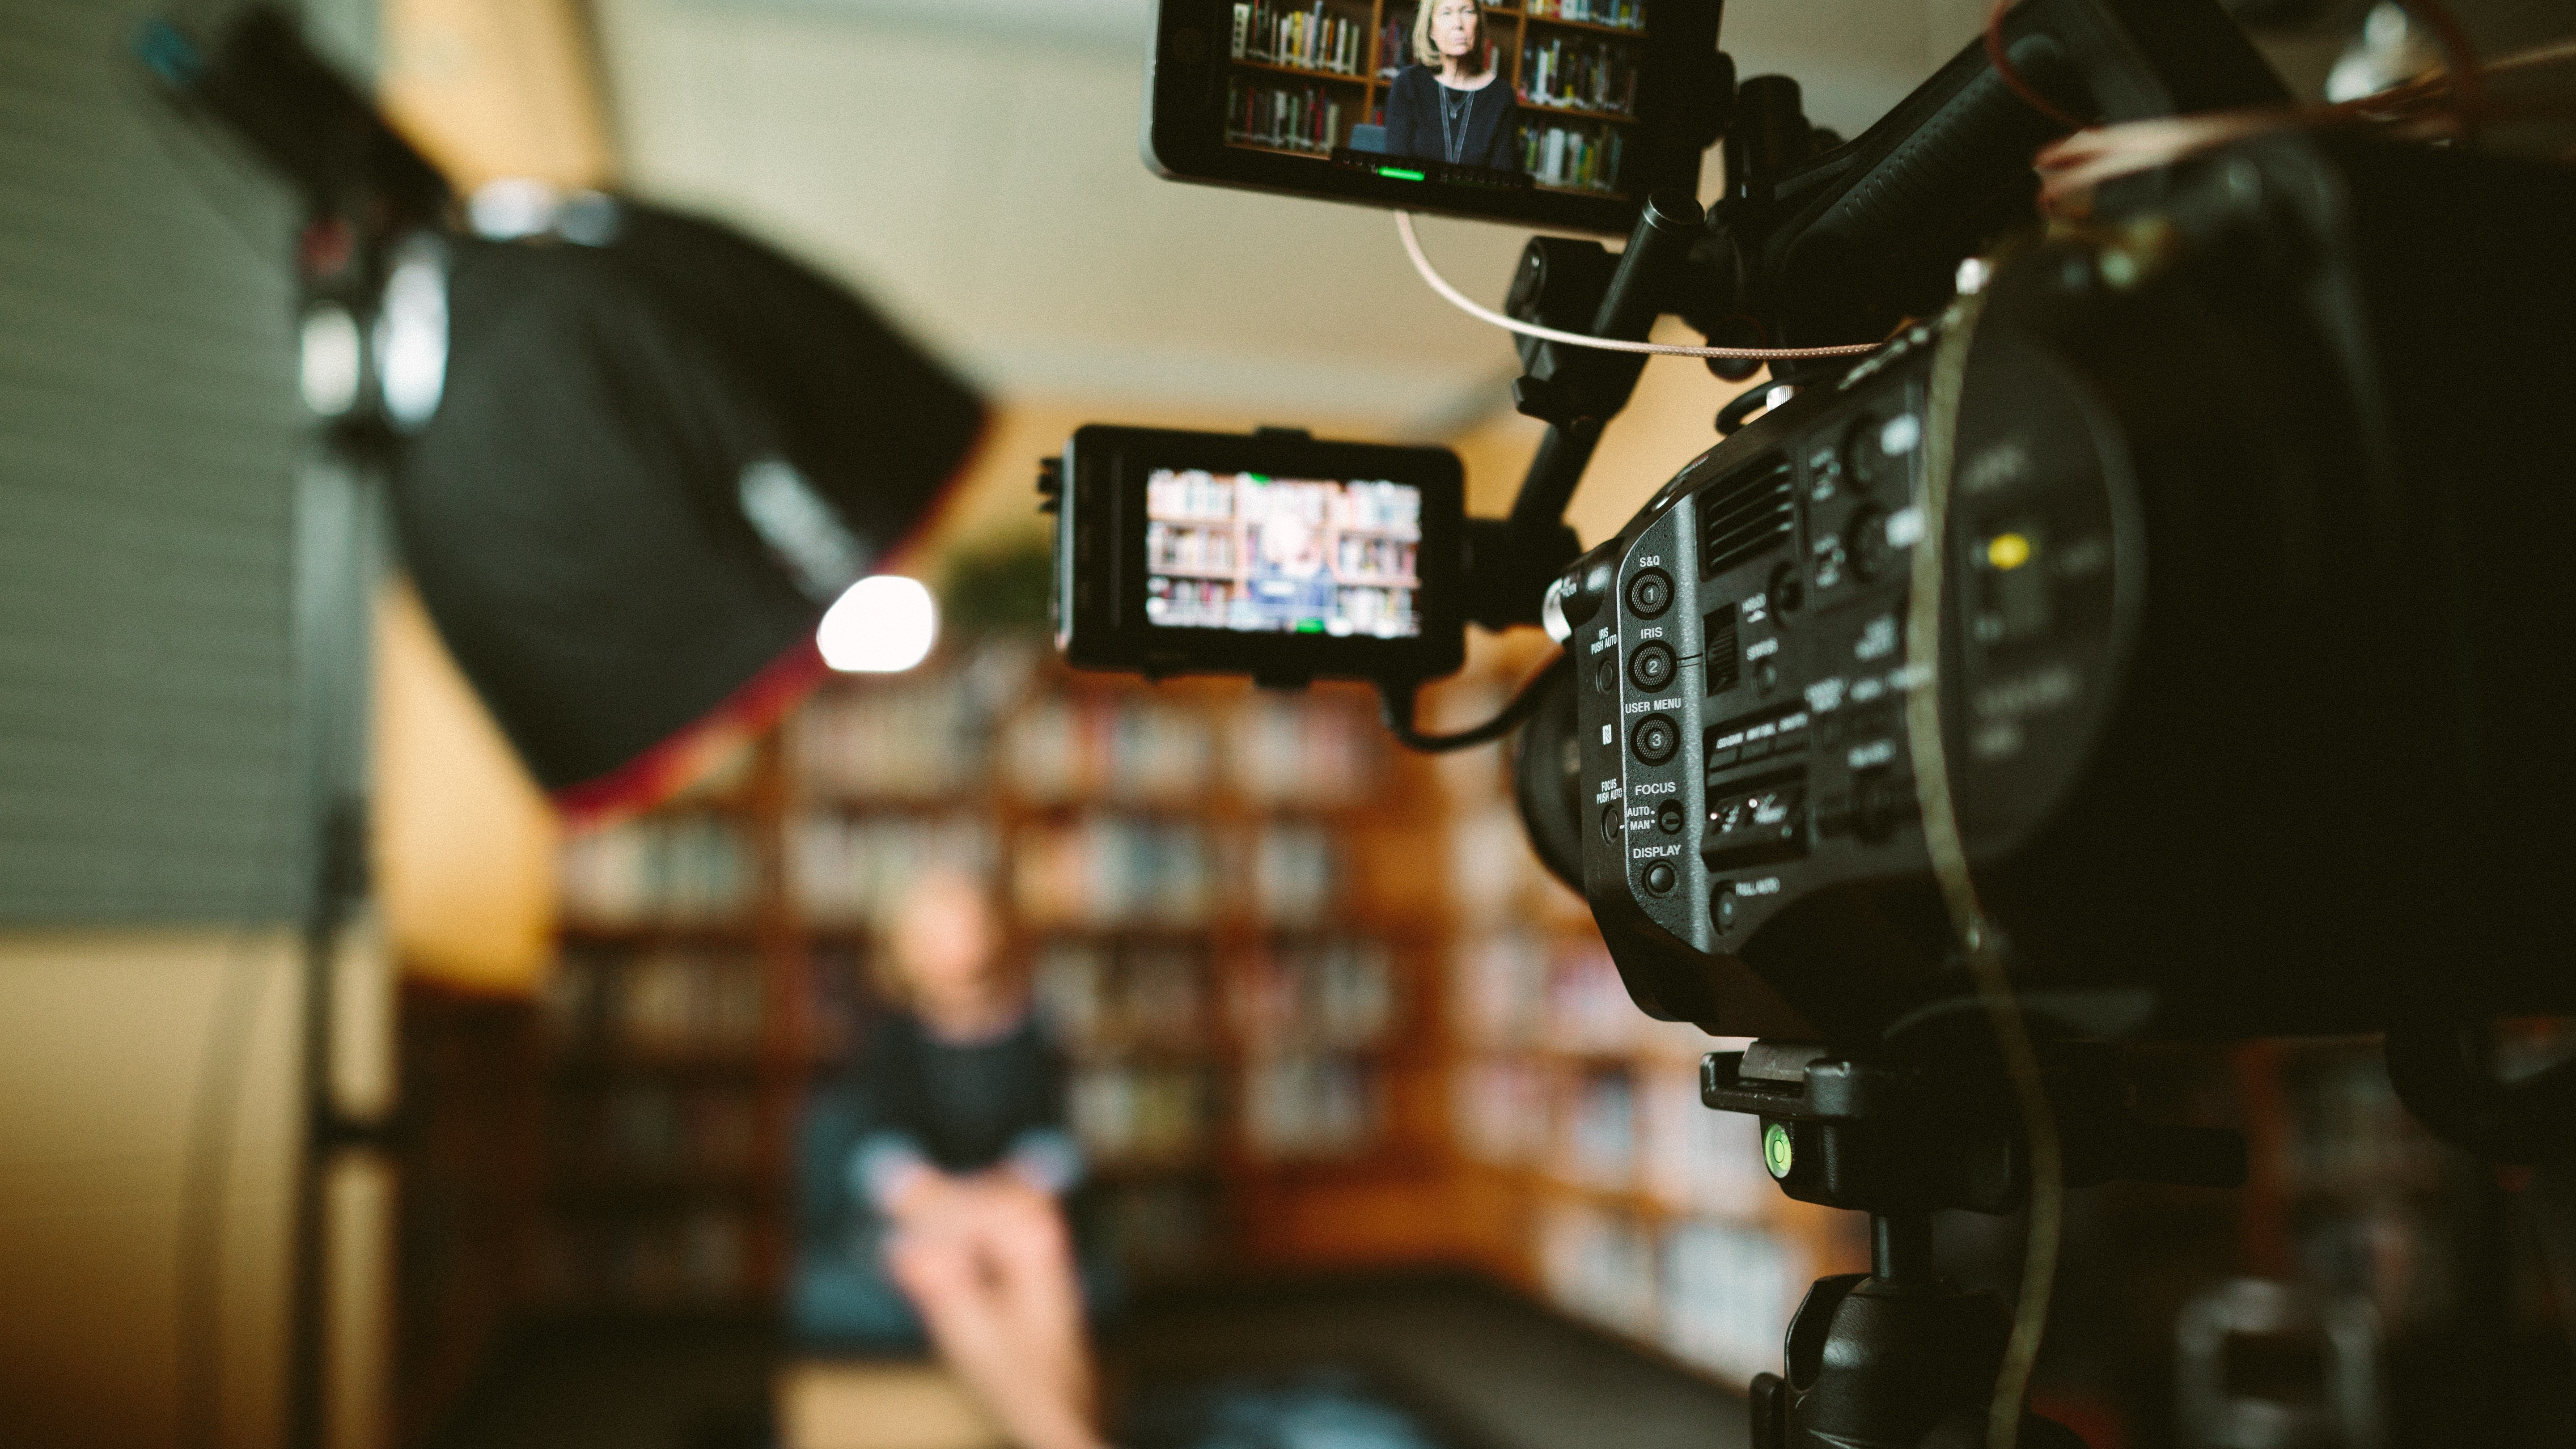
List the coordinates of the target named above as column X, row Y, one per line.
column 1453, row 106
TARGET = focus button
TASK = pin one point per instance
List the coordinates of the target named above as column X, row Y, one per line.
column 1652, row 667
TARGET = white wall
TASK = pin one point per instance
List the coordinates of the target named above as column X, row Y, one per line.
column 974, row 167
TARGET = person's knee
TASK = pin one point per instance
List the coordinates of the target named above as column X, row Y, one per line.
column 928, row 1269
column 1031, row 1230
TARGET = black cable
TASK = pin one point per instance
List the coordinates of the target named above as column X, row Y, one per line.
column 1395, row 699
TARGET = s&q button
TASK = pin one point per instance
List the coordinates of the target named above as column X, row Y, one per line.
column 1652, row 666
column 1650, row 593
column 1655, row 738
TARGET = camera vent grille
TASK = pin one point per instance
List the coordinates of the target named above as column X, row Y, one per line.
column 1746, row 516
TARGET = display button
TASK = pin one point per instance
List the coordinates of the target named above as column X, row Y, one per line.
column 1650, row 593
column 1661, row 877
column 1652, row 666
column 1655, row 738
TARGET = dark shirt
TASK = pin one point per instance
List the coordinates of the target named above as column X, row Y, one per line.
column 963, row 1107
column 1413, row 126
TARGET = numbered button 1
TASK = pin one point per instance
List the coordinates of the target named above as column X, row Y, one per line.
column 1652, row 667
column 1655, row 738
column 1650, row 593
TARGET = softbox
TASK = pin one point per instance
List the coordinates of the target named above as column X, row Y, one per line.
column 659, row 451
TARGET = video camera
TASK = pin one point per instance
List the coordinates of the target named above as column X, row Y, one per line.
column 2168, row 610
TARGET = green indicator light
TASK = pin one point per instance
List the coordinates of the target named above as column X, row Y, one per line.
column 1310, row 626
column 1258, row 477
column 1400, row 174
column 1777, row 1154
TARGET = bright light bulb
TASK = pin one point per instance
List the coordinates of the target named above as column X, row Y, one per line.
column 883, row 624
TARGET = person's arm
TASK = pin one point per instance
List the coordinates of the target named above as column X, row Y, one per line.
column 1046, row 1158
column 888, row 1169
column 1404, row 115
column 889, row 1164
column 1503, row 150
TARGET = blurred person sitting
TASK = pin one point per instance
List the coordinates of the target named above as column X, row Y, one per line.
column 935, row 1179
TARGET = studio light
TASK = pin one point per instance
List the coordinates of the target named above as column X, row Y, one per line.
column 882, row 625
column 633, row 455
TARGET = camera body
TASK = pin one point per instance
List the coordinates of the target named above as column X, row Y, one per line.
column 1272, row 554
column 2249, row 657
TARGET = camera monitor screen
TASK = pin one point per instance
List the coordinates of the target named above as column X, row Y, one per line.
column 1268, row 555
column 1551, row 111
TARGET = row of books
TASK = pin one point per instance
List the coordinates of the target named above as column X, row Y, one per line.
column 1134, row 749
column 1619, row 1129
column 1191, row 546
column 1626, row 14
column 1389, row 508
column 1108, row 872
column 675, row 869
column 1337, row 994
column 1291, row 118
column 1101, row 1000
column 1311, row 1105
column 1519, row 989
column 695, row 1257
column 1595, row 75
column 1340, row 993
column 1715, row 1294
column 1575, row 157
column 913, row 739
column 1183, row 494
column 851, row 869
column 659, row 1003
column 1362, row 556
column 1308, row 37
column 1143, row 1113
column 650, row 1129
column 1308, row 751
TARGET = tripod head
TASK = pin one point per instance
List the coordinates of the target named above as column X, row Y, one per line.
column 1900, row 1356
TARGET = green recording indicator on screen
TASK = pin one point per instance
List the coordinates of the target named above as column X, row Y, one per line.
column 1400, row 174
column 1310, row 626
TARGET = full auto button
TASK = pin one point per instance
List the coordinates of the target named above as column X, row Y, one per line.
column 1655, row 738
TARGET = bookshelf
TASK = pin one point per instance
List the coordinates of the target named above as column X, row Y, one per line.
column 1220, row 894
column 1300, row 77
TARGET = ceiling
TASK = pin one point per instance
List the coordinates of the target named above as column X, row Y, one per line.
column 972, row 165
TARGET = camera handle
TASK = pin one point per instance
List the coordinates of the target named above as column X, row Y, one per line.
column 1900, row 1357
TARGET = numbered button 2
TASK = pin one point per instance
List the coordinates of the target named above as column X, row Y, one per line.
column 1652, row 666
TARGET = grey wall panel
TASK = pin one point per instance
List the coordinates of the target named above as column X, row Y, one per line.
column 149, row 437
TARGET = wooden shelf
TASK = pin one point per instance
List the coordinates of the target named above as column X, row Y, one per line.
column 1589, row 27
column 1580, row 113
column 661, row 933
column 1274, row 68
column 1279, row 150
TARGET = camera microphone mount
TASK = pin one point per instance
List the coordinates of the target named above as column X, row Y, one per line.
column 1900, row 1356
